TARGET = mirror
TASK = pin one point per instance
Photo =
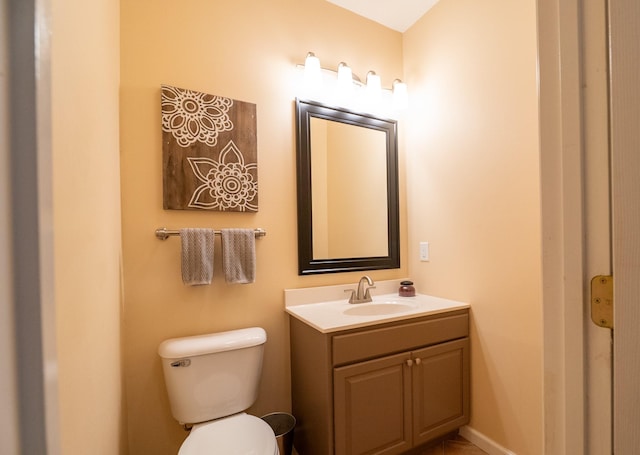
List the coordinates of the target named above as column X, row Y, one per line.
column 348, row 214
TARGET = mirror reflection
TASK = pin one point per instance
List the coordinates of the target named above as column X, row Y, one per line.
column 347, row 190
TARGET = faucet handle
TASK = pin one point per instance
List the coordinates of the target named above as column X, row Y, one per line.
column 352, row 297
column 367, row 294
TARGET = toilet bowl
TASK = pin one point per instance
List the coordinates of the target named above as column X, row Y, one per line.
column 211, row 380
column 241, row 434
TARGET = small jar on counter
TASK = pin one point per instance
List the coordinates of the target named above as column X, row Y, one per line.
column 406, row 289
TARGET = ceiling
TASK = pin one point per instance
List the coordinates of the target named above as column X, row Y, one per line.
column 396, row 14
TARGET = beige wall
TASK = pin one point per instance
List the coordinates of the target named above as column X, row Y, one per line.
column 473, row 192
column 86, row 199
column 245, row 50
column 472, row 181
column 472, row 187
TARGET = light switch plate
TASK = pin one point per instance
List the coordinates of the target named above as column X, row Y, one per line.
column 424, row 251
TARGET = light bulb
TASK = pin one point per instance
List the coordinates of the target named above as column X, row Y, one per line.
column 400, row 97
column 312, row 74
column 345, row 76
column 373, row 83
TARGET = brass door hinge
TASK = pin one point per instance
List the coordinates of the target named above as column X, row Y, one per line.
column 602, row 301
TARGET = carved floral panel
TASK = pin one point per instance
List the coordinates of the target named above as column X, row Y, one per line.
column 209, row 152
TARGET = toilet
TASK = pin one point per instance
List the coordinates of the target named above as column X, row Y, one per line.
column 211, row 380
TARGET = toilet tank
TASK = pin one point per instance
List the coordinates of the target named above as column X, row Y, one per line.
column 212, row 376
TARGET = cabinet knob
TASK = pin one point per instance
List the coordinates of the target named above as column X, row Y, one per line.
column 409, row 362
column 418, row 361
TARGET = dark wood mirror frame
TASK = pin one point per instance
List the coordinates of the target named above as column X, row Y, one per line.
column 307, row 264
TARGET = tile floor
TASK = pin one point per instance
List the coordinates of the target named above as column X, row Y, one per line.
column 455, row 445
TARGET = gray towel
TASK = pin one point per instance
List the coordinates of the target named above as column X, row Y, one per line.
column 197, row 255
column 239, row 255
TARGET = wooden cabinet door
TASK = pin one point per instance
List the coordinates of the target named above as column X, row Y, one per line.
column 440, row 378
column 372, row 406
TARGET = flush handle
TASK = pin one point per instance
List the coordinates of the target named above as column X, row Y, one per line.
column 181, row 363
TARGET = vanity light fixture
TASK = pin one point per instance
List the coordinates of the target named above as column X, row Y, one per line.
column 345, row 82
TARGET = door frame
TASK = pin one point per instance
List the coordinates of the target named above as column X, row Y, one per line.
column 624, row 37
column 31, row 232
column 8, row 382
column 597, row 220
column 566, row 249
column 562, row 211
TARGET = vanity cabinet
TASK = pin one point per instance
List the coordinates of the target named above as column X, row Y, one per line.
column 381, row 389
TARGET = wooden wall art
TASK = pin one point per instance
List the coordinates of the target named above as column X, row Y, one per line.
column 209, row 152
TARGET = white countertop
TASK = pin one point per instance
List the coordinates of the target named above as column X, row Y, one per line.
column 331, row 316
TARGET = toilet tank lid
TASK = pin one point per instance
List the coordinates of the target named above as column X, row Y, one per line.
column 175, row 348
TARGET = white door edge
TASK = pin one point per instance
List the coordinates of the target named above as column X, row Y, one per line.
column 624, row 33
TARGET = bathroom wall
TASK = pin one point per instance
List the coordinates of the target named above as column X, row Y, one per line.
column 85, row 65
column 245, row 50
column 473, row 193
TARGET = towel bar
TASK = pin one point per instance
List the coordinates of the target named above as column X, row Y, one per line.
column 164, row 233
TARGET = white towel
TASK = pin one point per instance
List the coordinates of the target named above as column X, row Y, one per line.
column 197, row 256
column 239, row 255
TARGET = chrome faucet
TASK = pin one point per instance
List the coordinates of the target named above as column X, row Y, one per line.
column 362, row 294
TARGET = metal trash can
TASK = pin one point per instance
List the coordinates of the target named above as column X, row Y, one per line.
column 282, row 425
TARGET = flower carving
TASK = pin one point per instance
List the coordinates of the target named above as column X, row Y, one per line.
column 227, row 184
column 192, row 116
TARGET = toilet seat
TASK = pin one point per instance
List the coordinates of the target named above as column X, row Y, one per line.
column 240, row 434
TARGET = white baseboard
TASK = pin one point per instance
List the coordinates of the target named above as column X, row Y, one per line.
column 483, row 442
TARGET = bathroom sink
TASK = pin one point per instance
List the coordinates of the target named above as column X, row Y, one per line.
column 374, row 309
column 327, row 309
